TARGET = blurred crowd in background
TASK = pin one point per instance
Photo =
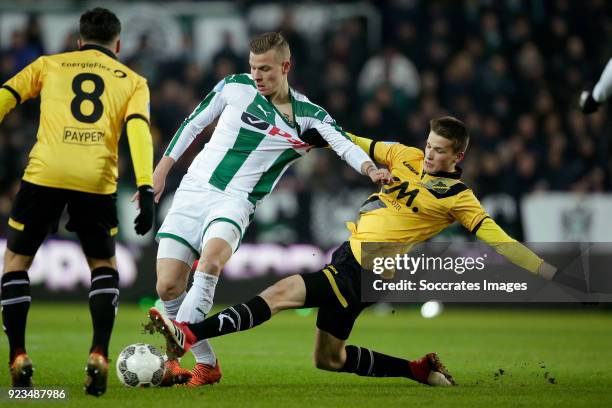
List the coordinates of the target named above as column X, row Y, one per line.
column 512, row 70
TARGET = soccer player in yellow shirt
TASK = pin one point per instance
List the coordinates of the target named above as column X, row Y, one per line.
column 425, row 196
column 86, row 98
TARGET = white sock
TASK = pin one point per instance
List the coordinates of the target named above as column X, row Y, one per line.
column 195, row 307
column 199, row 299
column 203, row 353
column 171, row 307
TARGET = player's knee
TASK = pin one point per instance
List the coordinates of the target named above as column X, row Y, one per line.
column 168, row 289
column 16, row 262
column 278, row 295
column 273, row 295
column 210, row 264
column 328, row 361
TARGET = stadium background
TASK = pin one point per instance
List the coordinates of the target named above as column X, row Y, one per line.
column 512, row 70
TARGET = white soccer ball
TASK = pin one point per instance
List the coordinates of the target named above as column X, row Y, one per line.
column 140, row 365
column 431, row 309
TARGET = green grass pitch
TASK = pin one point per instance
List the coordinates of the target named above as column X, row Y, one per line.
column 514, row 358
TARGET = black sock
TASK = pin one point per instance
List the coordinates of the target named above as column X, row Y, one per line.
column 15, row 305
column 236, row 318
column 103, row 302
column 369, row 363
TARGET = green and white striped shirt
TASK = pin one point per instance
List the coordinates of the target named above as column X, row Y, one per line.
column 253, row 144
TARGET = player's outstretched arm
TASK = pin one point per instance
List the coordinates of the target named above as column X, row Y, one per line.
column 379, row 176
column 591, row 100
column 522, row 256
column 514, row 251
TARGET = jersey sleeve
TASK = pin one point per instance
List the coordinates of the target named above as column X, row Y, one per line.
column 387, row 153
column 28, row 82
column 339, row 141
column 204, row 114
column 138, row 105
column 508, row 247
column 468, row 210
column 141, row 150
column 7, row 102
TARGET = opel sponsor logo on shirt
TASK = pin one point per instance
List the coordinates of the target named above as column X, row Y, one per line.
column 254, row 121
column 83, row 136
column 272, row 130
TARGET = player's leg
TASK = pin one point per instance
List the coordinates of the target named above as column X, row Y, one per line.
column 338, row 288
column 225, row 218
column 215, row 254
column 15, row 299
column 180, row 245
column 174, row 263
column 15, row 306
column 94, row 219
column 307, row 290
column 220, row 240
column 288, row 293
column 34, row 214
column 332, row 354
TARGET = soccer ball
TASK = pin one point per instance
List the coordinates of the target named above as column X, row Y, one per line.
column 140, row 365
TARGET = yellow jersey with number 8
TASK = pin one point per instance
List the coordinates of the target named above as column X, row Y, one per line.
column 86, row 98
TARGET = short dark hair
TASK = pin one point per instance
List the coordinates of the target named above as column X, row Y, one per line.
column 452, row 129
column 271, row 40
column 99, row 25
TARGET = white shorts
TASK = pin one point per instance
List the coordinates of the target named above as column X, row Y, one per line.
column 198, row 213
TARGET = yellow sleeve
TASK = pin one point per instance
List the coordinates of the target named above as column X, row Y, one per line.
column 138, row 105
column 7, row 102
column 468, row 210
column 384, row 152
column 508, row 247
column 27, row 83
column 141, row 149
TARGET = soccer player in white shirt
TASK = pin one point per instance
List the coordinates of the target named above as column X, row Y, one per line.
column 257, row 137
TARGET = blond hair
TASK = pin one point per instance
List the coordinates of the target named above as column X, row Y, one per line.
column 268, row 41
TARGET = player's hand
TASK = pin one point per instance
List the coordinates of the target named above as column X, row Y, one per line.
column 562, row 277
column 547, row 271
column 144, row 220
column 379, row 176
column 587, row 103
column 314, row 138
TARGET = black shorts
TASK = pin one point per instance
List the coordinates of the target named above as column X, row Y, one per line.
column 336, row 291
column 37, row 210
